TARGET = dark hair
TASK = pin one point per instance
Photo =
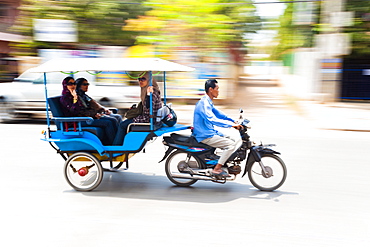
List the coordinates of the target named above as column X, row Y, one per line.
column 66, row 80
column 79, row 82
column 210, row 83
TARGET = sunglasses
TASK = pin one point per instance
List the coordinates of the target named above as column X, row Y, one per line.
column 85, row 84
column 142, row 79
column 71, row 84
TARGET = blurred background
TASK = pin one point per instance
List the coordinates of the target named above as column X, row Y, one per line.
column 315, row 50
column 299, row 69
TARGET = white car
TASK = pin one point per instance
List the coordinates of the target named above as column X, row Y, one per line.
column 24, row 98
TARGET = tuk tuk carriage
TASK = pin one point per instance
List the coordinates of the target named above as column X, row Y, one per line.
column 80, row 145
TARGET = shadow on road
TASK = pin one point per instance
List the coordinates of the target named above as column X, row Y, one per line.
column 156, row 187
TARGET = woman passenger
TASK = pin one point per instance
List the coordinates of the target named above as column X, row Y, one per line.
column 91, row 107
column 145, row 99
column 72, row 106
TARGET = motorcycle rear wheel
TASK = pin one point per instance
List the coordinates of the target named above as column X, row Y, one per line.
column 173, row 168
column 272, row 163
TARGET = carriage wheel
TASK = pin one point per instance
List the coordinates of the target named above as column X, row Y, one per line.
column 83, row 171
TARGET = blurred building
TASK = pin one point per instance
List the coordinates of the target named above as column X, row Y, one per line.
column 336, row 67
column 8, row 14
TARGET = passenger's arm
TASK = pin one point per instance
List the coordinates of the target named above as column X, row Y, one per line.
column 71, row 108
column 156, row 98
column 96, row 106
column 156, row 102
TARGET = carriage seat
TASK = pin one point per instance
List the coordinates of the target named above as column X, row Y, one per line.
column 56, row 110
column 142, row 127
column 187, row 140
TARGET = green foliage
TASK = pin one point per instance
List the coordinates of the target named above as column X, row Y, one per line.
column 360, row 31
column 99, row 22
column 194, row 23
column 204, row 24
column 291, row 36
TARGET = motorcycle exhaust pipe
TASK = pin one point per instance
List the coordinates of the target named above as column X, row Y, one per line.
column 200, row 177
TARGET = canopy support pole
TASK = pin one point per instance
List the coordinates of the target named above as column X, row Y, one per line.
column 164, row 88
column 47, row 104
column 151, row 102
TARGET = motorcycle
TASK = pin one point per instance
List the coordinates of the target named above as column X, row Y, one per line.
column 189, row 161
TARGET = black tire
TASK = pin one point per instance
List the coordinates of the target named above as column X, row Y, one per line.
column 267, row 183
column 172, row 169
column 87, row 182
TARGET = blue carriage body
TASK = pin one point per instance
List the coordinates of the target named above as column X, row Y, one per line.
column 83, row 140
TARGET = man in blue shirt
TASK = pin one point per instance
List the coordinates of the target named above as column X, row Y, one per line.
column 206, row 116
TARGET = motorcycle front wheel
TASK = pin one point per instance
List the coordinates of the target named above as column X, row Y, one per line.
column 276, row 172
column 176, row 168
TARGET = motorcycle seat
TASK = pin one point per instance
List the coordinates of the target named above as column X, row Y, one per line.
column 188, row 141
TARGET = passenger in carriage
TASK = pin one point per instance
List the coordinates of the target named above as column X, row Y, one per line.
column 91, row 107
column 72, row 106
column 143, row 117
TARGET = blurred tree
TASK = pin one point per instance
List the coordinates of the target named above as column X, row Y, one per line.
column 98, row 22
column 361, row 29
column 292, row 35
column 199, row 24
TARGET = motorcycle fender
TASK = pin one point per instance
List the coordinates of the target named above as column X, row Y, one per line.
column 252, row 156
column 246, row 163
column 268, row 151
column 255, row 155
column 168, row 151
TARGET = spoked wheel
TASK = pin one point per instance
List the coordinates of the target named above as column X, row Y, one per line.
column 274, row 177
column 176, row 168
column 83, row 171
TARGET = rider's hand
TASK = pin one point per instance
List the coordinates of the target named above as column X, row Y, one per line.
column 98, row 115
column 238, row 127
column 107, row 111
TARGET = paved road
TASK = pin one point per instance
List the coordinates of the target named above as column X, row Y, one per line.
column 324, row 201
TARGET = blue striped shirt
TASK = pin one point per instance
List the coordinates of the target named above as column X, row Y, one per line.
column 206, row 116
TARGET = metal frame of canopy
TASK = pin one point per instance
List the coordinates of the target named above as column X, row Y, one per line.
column 70, row 65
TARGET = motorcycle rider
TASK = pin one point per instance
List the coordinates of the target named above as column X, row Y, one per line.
column 206, row 116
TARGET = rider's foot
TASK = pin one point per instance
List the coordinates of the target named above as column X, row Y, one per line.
column 221, row 173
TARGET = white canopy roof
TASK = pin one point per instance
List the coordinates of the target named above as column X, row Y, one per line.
column 109, row 64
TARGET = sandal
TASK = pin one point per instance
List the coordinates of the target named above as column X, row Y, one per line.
column 221, row 174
